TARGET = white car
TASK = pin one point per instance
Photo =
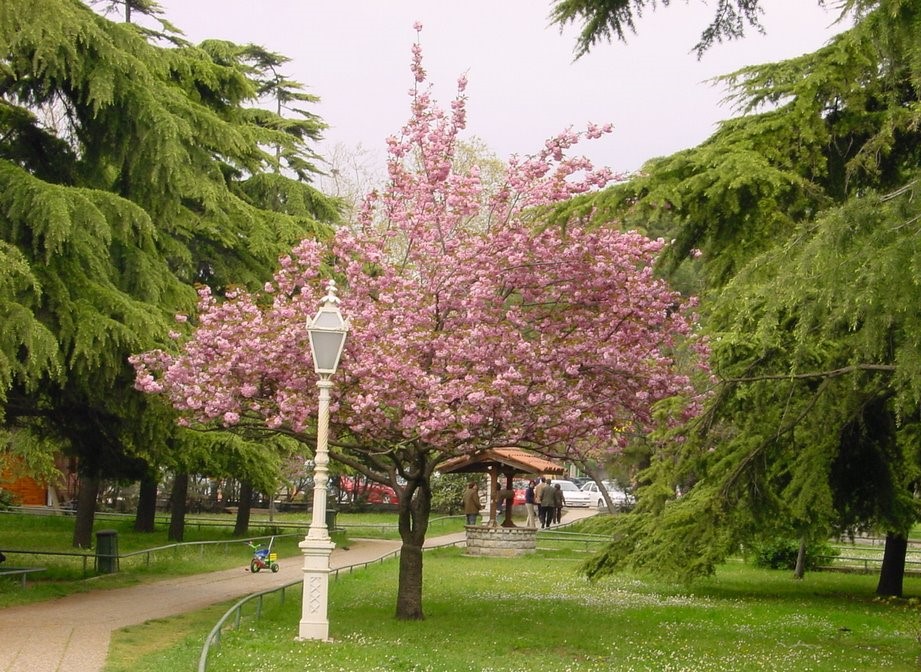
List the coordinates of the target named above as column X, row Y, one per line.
column 619, row 498
column 572, row 496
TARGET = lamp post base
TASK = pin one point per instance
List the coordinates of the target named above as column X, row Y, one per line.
column 314, row 621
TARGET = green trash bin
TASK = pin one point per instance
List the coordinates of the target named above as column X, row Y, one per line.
column 107, row 551
column 331, row 519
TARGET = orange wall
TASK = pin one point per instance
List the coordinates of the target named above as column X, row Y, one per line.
column 29, row 492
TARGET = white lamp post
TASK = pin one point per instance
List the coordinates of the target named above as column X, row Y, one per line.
column 327, row 333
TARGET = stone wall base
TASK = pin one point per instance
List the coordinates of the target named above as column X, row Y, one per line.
column 500, row 541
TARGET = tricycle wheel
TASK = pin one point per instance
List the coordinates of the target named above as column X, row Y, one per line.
column 254, row 567
column 274, row 567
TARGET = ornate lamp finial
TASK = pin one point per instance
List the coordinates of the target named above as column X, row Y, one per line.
column 330, row 298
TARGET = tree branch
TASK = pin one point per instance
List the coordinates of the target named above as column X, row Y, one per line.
column 833, row 373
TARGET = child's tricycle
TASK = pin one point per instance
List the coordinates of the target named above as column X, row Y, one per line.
column 263, row 558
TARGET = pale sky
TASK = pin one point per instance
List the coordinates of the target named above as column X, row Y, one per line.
column 523, row 83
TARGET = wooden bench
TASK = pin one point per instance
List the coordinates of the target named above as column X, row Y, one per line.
column 22, row 572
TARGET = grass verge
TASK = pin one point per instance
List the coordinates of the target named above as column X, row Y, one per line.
column 175, row 642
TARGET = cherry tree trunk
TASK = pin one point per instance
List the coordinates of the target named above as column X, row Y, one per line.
column 415, row 508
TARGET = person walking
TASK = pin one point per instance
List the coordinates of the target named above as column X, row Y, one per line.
column 557, row 504
column 471, row 502
column 548, row 505
column 538, row 492
column 529, row 504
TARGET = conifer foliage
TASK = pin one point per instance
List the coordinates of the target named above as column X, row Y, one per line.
column 805, row 210
column 603, row 20
column 129, row 172
column 471, row 326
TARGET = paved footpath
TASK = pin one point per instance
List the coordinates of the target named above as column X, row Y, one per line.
column 72, row 634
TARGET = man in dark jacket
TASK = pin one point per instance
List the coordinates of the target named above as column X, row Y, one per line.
column 471, row 502
column 547, row 505
column 557, row 504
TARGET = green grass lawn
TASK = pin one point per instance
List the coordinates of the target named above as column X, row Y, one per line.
column 538, row 612
column 504, row 614
column 65, row 575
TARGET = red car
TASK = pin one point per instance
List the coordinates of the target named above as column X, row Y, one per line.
column 520, row 485
column 358, row 487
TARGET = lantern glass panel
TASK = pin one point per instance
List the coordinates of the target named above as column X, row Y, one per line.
column 327, row 346
column 327, row 319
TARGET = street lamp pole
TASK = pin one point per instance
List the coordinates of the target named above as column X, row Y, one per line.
column 327, row 333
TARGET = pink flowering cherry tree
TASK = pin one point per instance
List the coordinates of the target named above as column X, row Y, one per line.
column 471, row 325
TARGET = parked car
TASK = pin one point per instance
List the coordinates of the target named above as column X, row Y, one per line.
column 572, row 496
column 619, row 498
column 358, row 488
column 518, row 485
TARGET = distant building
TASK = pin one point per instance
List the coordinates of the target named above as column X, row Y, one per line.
column 31, row 492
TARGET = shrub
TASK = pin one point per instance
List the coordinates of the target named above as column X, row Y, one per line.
column 448, row 493
column 781, row 553
column 7, row 499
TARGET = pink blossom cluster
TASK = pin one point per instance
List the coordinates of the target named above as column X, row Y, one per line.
column 470, row 326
